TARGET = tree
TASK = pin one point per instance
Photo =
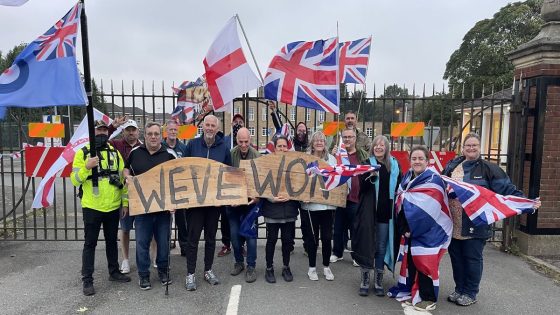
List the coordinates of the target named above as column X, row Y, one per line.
column 482, row 56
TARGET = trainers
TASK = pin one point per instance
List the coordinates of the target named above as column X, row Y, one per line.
column 269, row 275
column 88, row 289
column 425, row 306
column 335, row 258
column 347, row 249
column 211, row 278
column 312, row 273
column 465, row 300
column 125, row 266
column 453, row 296
column 237, row 269
column 144, row 283
column 287, row 274
column 224, row 251
column 354, row 263
column 164, row 278
column 190, row 282
column 250, row 274
column 328, row 274
column 119, row 277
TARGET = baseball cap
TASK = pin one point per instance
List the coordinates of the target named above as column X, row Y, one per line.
column 130, row 123
column 100, row 124
column 237, row 116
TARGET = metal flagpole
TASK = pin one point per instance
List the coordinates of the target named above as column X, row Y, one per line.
column 87, row 86
column 249, row 45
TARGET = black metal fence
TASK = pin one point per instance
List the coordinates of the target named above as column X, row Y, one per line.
column 447, row 114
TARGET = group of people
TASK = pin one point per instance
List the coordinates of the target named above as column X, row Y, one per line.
column 373, row 215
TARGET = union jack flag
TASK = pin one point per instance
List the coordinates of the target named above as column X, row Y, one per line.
column 339, row 174
column 484, row 206
column 183, row 113
column 425, row 205
column 305, row 74
column 401, row 292
column 342, row 153
column 354, row 58
column 60, row 40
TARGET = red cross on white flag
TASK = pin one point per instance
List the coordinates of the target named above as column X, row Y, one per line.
column 228, row 74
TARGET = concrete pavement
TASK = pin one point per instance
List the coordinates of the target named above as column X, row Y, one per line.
column 44, row 278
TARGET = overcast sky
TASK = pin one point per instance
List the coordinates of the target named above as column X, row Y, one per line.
column 167, row 40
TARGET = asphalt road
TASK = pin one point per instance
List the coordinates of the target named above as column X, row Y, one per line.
column 44, row 278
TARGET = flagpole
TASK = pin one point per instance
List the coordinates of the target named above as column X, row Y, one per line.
column 249, row 45
column 337, row 117
column 87, row 86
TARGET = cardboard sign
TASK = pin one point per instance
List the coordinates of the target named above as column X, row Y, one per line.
column 186, row 183
column 284, row 174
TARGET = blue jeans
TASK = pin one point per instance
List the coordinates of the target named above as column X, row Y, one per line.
column 234, row 215
column 467, row 263
column 381, row 238
column 343, row 220
column 156, row 225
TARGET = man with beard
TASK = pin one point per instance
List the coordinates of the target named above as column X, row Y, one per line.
column 243, row 151
column 154, row 225
column 101, row 204
column 210, row 145
column 124, row 145
column 362, row 140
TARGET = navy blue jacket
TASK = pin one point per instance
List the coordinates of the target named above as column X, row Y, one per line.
column 179, row 148
column 487, row 175
column 218, row 151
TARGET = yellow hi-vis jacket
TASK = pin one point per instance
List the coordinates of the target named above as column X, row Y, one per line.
column 109, row 197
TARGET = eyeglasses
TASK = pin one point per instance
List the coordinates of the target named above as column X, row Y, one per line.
column 153, row 134
column 471, row 146
column 348, row 137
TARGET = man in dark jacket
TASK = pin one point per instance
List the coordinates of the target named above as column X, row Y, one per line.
column 210, row 145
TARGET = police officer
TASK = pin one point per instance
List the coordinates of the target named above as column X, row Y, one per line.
column 100, row 205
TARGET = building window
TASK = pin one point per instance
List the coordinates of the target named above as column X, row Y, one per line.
column 251, row 114
column 251, row 129
column 321, row 117
column 264, row 114
column 199, row 131
column 293, row 114
column 307, row 114
column 369, row 131
column 264, row 132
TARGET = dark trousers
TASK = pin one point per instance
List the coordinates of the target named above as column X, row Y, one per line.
column 317, row 223
column 304, row 231
column 344, row 218
column 425, row 283
column 224, row 227
column 467, row 264
column 198, row 219
column 181, row 223
column 288, row 235
column 93, row 220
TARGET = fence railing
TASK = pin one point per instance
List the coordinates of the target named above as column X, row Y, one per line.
column 448, row 115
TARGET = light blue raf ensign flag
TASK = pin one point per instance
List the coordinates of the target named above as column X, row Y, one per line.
column 46, row 73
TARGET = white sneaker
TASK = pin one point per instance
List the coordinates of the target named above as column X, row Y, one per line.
column 125, row 266
column 328, row 274
column 335, row 258
column 312, row 273
column 354, row 263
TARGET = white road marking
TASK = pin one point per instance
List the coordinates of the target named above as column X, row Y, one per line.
column 233, row 304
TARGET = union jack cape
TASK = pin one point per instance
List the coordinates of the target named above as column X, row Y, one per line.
column 424, row 202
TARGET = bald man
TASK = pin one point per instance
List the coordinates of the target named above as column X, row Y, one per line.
column 242, row 151
column 211, row 146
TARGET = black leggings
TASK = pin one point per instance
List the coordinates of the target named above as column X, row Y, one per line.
column 322, row 223
column 288, row 235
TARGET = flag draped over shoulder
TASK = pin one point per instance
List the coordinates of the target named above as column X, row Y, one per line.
column 45, row 73
column 483, row 206
column 227, row 72
column 305, row 74
column 354, row 59
column 45, row 192
column 425, row 204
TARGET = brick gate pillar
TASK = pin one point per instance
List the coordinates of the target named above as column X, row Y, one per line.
column 534, row 155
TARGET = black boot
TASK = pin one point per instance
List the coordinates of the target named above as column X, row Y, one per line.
column 378, row 285
column 364, row 284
